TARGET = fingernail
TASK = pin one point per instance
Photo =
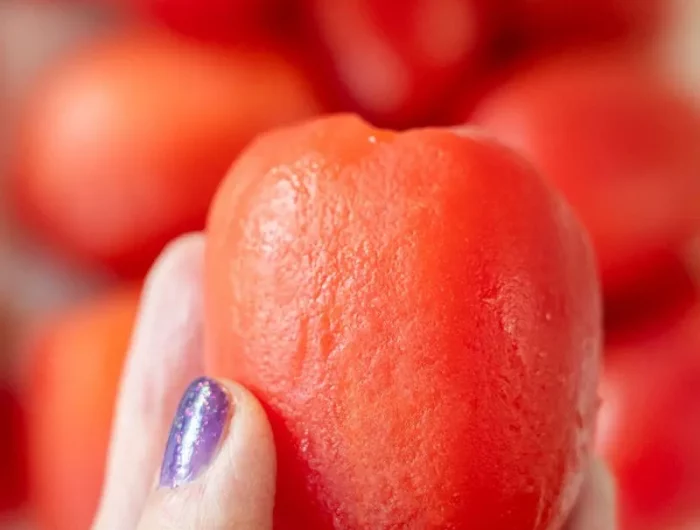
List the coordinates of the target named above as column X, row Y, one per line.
column 200, row 423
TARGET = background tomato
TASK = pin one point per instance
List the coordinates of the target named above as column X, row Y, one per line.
column 74, row 368
column 13, row 479
column 566, row 20
column 125, row 139
column 121, row 151
column 221, row 20
column 650, row 425
column 395, row 61
column 619, row 143
column 649, row 308
column 414, row 308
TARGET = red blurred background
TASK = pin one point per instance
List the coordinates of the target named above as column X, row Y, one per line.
column 118, row 118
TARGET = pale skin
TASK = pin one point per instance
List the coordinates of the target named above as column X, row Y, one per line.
column 237, row 490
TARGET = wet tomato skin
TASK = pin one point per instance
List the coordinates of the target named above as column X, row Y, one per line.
column 417, row 345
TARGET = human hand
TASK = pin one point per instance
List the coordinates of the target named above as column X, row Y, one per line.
column 219, row 466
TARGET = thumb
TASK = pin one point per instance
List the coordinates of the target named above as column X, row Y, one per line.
column 218, row 470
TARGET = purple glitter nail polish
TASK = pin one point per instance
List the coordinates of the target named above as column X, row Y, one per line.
column 199, row 426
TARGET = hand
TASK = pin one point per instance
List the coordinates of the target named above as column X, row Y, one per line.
column 227, row 480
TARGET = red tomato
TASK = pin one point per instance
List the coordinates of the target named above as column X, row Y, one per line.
column 123, row 147
column 420, row 315
column 222, row 20
column 13, row 479
column 652, row 306
column 72, row 385
column 396, row 60
column 539, row 20
column 649, row 427
column 619, row 143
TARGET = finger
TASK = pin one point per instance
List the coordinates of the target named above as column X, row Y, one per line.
column 218, row 471
column 165, row 355
column 596, row 509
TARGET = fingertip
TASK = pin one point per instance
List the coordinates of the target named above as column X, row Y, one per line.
column 596, row 509
column 248, row 451
column 181, row 259
column 172, row 302
column 219, row 464
column 250, row 416
column 165, row 354
column 603, row 481
column 250, row 444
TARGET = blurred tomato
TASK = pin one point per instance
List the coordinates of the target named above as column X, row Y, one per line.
column 652, row 306
column 13, row 479
column 221, row 20
column 649, row 428
column 396, row 60
column 74, row 371
column 123, row 147
column 552, row 20
column 619, row 143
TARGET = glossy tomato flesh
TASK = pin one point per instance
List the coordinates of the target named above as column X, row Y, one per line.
column 419, row 313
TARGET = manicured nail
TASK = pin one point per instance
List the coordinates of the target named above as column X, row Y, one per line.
column 200, row 423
